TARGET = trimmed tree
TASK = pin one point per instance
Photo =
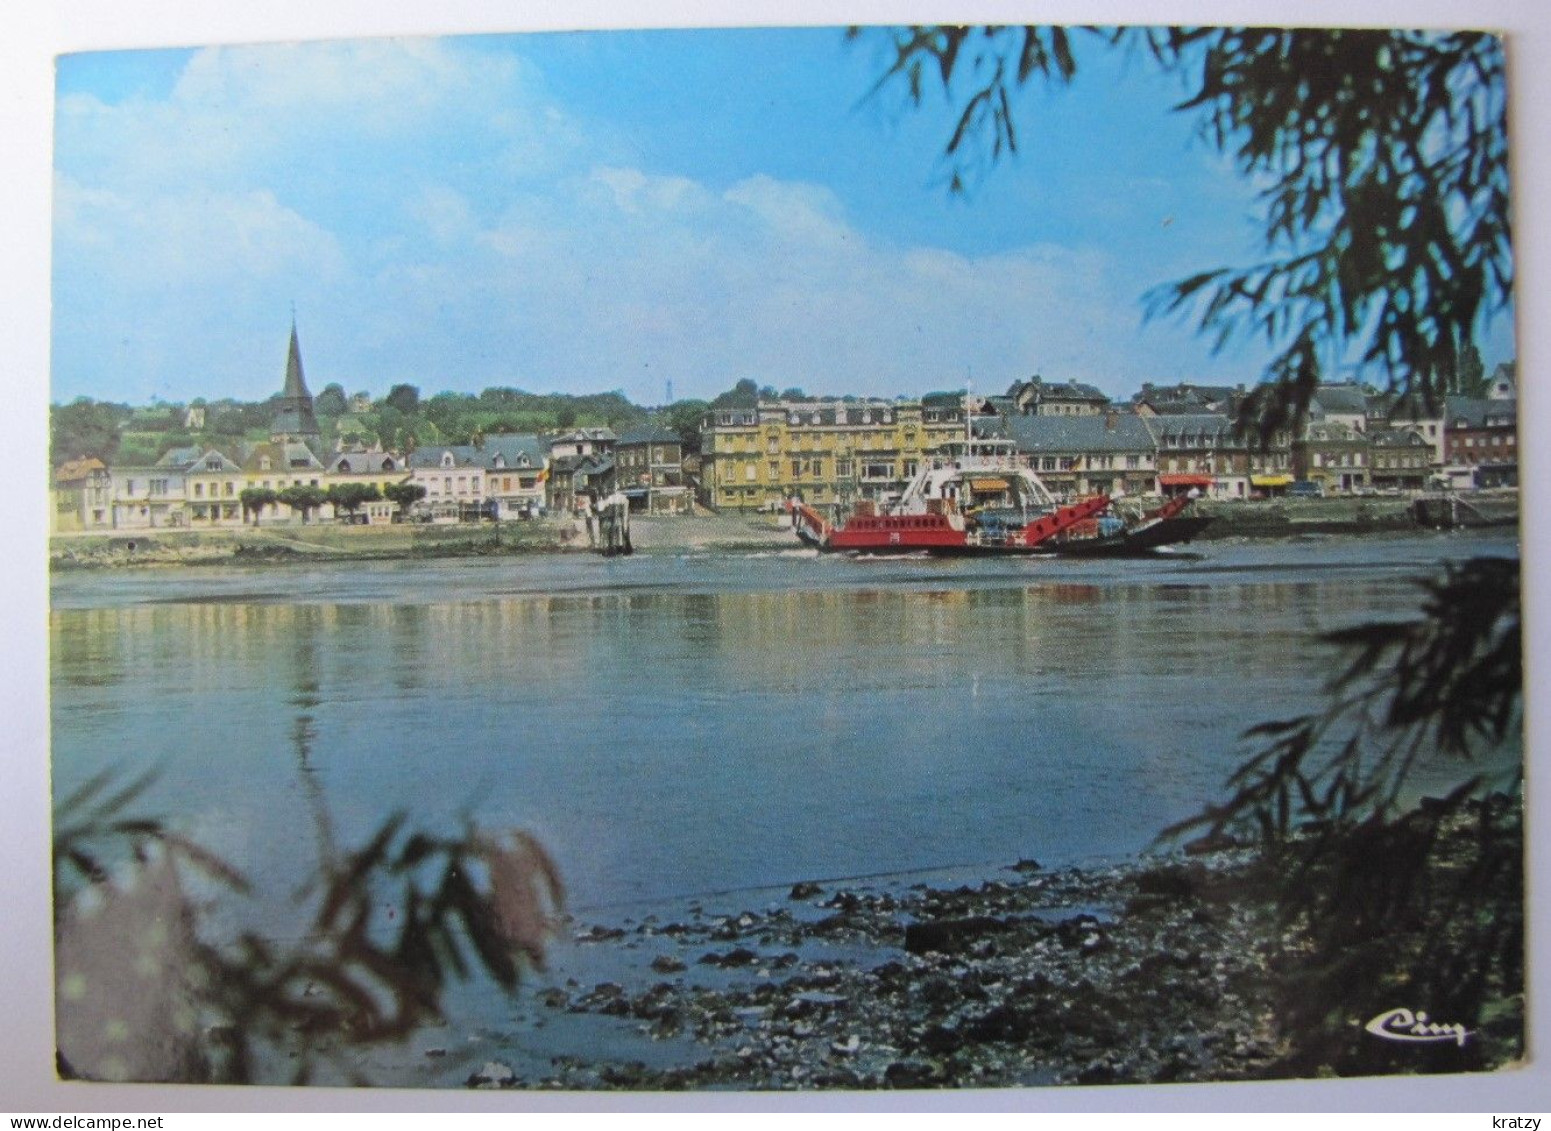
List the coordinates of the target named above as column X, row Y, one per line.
column 302, row 498
column 255, row 499
column 403, row 496
column 350, row 497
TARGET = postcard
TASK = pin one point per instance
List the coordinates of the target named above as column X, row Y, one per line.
column 835, row 559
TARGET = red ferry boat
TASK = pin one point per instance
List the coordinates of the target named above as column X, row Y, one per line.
column 973, row 500
column 976, row 500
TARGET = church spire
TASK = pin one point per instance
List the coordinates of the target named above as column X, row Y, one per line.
column 295, row 382
column 294, row 418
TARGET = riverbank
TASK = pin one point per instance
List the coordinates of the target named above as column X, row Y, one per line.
column 250, row 546
column 1147, row 971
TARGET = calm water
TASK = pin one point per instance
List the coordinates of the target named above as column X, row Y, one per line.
column 674, row 726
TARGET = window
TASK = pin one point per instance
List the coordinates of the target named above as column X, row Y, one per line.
column 774, row 471
column 843, row 468
column 796, row 468
column 748, row 472
column 818, row 469
column 199, row 491
column 229, row 488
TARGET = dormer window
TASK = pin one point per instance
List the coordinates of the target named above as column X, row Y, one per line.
column 265, row 464
column 344, row 467
column 524, row 461
column 447, row 459
column 500, row 460
column 388, row 464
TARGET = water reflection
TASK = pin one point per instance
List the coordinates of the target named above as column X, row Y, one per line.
column 669, row 739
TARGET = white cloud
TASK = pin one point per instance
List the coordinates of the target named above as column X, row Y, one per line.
column 452, row 226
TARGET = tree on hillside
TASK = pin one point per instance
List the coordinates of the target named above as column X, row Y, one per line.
column 1383, row 156
column 745, row 394
column 404, row 398
column 684, row 417
column 85, row 428
column 331, row 401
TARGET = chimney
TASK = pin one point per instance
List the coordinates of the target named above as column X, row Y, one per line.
column 1109, row 421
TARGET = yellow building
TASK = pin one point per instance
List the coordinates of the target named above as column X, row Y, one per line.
column 830, row 453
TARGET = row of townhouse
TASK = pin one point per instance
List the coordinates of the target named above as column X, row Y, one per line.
column 832, row 453
column 196, row 488
column 499, row 477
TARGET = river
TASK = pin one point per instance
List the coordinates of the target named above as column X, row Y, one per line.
column 682, row 724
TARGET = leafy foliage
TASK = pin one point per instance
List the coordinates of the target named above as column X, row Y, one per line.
column 86, row 428
column 255, row 499
column 404, row 495
column 391, row 922
column 303, row 498
column 1384, row 156
column 351, row 497
column 1420, row 900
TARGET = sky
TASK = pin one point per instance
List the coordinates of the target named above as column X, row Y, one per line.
column 584, row 212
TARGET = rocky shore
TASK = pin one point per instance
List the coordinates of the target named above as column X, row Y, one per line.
column 1151, row 970
column 1140, row 972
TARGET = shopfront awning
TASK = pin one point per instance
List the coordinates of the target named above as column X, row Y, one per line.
column 1202, row 481
column 1270, row 480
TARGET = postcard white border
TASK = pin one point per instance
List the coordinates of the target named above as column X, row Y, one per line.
column 32, row 32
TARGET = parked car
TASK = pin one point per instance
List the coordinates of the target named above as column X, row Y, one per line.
column 1305, row 489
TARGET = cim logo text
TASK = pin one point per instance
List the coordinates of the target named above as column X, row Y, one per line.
column 1403, row 1025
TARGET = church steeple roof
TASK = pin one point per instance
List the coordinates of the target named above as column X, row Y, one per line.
column 294, row 418
column 295, row 382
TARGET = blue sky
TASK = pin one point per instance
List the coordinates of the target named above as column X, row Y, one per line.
column 592, row 211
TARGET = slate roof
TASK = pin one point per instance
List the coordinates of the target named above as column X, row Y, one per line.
column 430, row 459
column 179, row 457
column 1399, row 438
column 1480, row 412
column 596, row 435
column 283, row 455
column 1346, row 399
column 1187, row 398
column 1059, row 391
column 1333, row 432
column 1112, row 432
column 514, row 449
column 1197, row 426
column 649, row 434
column 361, row 461
column 499, row 451
column 588, row 466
